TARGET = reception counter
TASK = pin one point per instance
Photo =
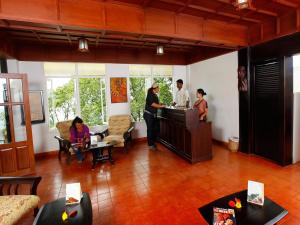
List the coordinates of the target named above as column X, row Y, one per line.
column 183, row 133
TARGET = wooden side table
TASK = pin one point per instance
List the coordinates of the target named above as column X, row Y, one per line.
column 250, row 214
column 51, row 212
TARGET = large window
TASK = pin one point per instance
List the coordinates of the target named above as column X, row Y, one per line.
column 76, row 89
column 141, row 78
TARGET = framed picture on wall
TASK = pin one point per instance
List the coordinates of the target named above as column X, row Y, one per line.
column 37, row 111
column 118, row 89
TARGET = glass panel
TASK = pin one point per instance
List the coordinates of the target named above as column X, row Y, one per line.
column 165, row 92
column 139, row 70
column 138, row 90
column 3, row 90
column 59, row 69
column 5, row 136
column 91, row 69
column 162, row 71
column 19, row 123
column 91, row 100
column 60, row 99
column 16, row 90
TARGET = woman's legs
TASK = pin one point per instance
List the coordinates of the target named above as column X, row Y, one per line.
column 78, row 154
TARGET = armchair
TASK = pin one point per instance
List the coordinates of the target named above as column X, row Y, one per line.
column 13, row 203
column 119, row 129
column 63, row 128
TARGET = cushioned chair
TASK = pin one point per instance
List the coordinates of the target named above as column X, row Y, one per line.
column 14, row 203
column 63, row 128
column 119, row 129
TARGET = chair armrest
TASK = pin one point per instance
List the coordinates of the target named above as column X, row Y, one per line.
column 102, row 133
column 59, row 138
column 127, row 134
column 13, row 183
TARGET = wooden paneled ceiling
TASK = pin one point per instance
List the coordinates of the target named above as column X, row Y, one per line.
column 183, row 26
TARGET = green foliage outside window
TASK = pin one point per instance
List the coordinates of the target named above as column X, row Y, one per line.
column 90, row 100
column 165, row 86
column 138, row 92
column 138, row 96
column 61, row 103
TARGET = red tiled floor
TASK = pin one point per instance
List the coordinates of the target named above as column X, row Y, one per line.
column 159, row 188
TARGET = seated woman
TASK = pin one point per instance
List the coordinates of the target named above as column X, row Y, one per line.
column 80, row 136
column 201, row 105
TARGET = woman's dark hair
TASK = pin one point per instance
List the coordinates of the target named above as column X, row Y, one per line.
column 76, row 120
column 201, row 91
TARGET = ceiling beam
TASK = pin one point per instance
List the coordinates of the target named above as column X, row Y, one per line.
column 286, row 3
column 185, row 6
column 146, row 3
column 69, row 38
column 116, row 19
column 253, row 9
column 209, row 10
column 37, row 35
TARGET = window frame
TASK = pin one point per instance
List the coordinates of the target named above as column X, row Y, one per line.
column 76, row 78
column 152, row 77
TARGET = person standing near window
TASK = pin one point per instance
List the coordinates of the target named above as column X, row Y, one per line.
column 201, row 105
column 182, row 96
column 79, row 137
column 150, row 115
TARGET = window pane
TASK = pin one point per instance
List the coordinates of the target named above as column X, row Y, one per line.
column 162, row 71
column 3, row 90
column 92, row 101
column 91, row 69
column 16, row 90
column 165, row 93
column 138, row 89
column 139, row 70
column 19, row 123
column 60, row 99
column 59, row 69
column 4, row 125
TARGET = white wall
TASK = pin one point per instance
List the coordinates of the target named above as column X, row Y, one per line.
column 296, row 128
column 43, row 137
column 218, row 78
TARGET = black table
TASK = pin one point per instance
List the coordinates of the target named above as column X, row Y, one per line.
column 97, row 151
column 50, row 213
column 249, row 214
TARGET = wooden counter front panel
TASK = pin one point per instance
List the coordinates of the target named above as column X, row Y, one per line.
column 181, row 132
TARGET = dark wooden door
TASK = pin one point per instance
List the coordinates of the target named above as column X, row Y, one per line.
column 16, row 147
column 268, row 109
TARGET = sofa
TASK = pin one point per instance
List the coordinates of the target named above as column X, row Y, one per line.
column 14, row 202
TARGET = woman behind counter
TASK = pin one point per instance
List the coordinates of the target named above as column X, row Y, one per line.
column 201, row 105
column 150, row 115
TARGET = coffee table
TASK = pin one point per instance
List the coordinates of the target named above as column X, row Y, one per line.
column 97, row 151
column 249, row 214
column 51, row 212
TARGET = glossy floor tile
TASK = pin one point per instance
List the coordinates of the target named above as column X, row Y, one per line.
column 159, row 188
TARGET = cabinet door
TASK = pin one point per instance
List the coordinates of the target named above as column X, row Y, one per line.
column 16, row 147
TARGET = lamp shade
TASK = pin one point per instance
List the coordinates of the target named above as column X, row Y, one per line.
column 160, row 50
column 83, row 45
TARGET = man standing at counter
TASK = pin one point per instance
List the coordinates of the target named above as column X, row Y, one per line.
column 182, row 96
column 150, row 115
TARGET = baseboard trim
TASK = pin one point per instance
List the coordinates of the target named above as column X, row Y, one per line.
column 141, row 139
column 43, row 155
column 220, row 143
